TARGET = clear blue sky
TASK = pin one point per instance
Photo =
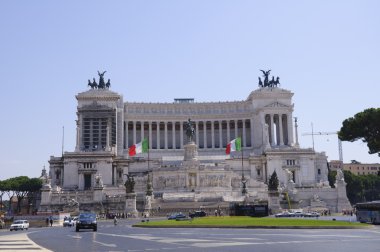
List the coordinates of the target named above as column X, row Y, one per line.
column 326, row 52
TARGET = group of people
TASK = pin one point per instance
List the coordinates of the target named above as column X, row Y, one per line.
column 49, row 220
column 218, row 212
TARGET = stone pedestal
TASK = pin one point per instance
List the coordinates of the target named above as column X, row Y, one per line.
column 46, row 195
column 98, row 194
column 130, row 205
column 191, row 152
column 148, row 206
column 274, row 201
column 342, row 202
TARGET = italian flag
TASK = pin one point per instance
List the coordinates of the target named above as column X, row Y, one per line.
column 141, row 147
column 234, row 145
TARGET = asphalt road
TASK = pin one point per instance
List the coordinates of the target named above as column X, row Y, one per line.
column 125, row 238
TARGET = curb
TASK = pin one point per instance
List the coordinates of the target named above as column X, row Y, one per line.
column 257, row 227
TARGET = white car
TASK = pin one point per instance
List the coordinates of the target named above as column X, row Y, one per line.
column 19, row 224
column 68, row 222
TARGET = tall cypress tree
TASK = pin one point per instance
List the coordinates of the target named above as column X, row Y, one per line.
column 273, row 182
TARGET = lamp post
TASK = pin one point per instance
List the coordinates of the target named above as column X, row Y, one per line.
column 244, row 182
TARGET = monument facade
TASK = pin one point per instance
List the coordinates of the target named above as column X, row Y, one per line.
column 186, row 166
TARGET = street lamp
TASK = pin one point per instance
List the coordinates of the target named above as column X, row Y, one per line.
column 244, row 182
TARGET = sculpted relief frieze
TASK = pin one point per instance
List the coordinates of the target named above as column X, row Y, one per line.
column 163, row 182
column 193, row 109
column 220, row 180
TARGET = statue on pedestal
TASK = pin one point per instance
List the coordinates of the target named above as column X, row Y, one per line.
column 130, row 184
column 98, row 180
column 190, row 131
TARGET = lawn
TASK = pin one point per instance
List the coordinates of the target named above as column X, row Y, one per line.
column 249, row 222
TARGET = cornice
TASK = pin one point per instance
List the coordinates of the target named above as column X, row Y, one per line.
column 98, row 94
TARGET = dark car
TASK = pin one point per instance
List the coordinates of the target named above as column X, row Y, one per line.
column 86, row 221
column 198, row 214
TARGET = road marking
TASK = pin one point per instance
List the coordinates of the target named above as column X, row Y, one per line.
column 246, row 238
column 106, row 244
column 238, row 241
column 19, row 242
column 75, row 236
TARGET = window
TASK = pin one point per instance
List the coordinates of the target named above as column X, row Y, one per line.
column 290, row 162
column 319, row 171
column 87, row 165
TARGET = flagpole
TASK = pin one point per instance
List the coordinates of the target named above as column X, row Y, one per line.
column 244, row 190
column 148, row 155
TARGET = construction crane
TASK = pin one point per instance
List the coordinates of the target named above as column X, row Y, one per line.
column 312, row 134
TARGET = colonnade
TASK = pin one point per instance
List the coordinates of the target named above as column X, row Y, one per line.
column 209, row 134
column 280, row 128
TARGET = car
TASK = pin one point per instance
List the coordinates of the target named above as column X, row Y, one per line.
column 298, row 213
column 86, row 221
column 197, row 214
column 68, row 222
column 283, row 214
column 176, row 216
column 312, row 214
column 19, row 224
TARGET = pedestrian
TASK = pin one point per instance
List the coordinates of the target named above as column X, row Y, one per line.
column 51, row 221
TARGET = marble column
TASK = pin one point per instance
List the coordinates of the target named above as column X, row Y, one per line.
column 290, row 129
column 244, row 134
column 204, row 135
column 228, row 131
column 158, row 136
column 126, row 135
column 181, row 133
column 166, row 135
column 281, row 129
column 173, row 136
column 197, row 133
column 212, row 135
column 220, row 135
column 272, row 130
column 150, row 135
column 236, row 129
column 134, row 132
column 77, row 146
column 142, row 130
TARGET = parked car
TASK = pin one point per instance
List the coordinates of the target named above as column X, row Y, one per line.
column 19, row 224
column 283, row 214
column 86, row 221
column 312, row 214
column 176, row 216
column 197, row 214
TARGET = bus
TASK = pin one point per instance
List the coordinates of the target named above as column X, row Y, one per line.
column 368, row 212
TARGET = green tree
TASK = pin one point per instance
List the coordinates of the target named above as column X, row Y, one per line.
column 34, row 185
column 2, row 191
column 331, row 177
column 20, row 187
column 273, row 182
column 7, row 187
column 364, row 125
column 355, row 187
